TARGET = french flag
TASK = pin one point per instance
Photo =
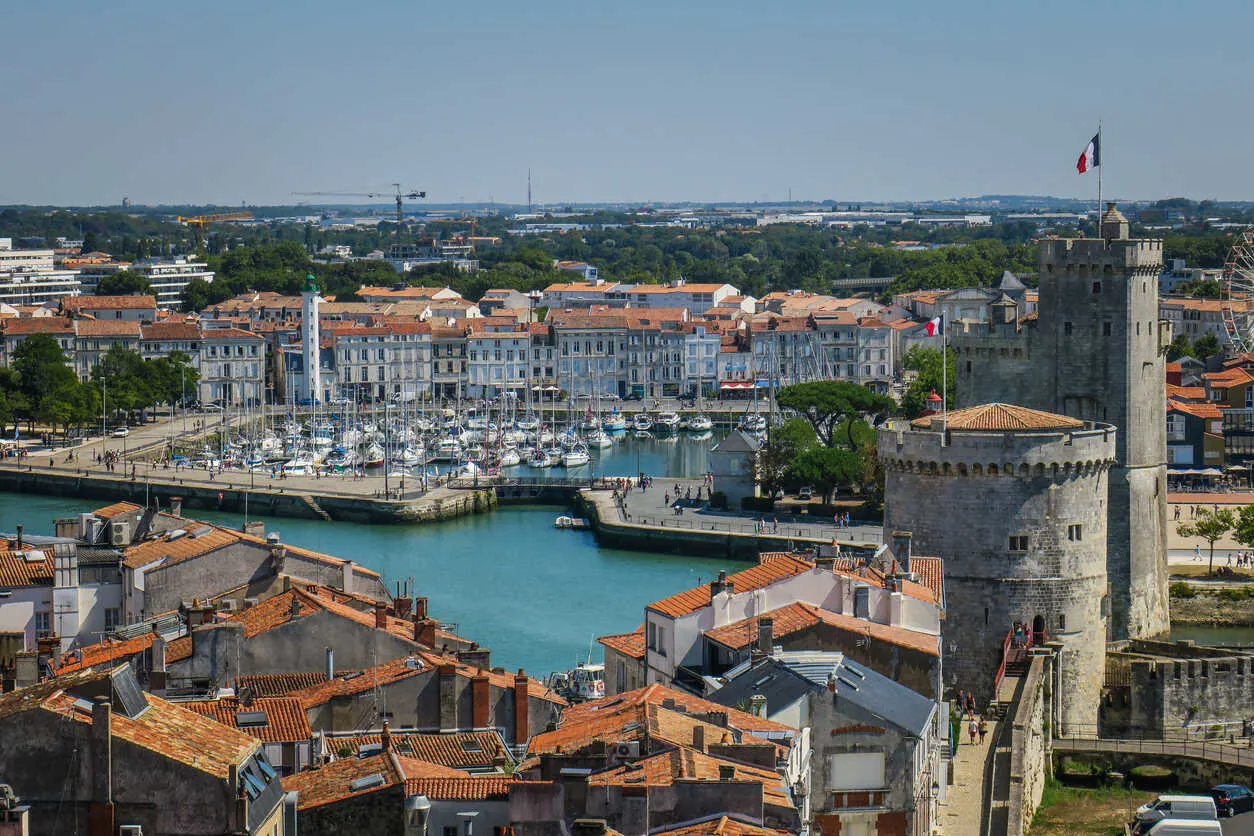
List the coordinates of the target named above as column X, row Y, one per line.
column 1092, row 156
column 935, row 327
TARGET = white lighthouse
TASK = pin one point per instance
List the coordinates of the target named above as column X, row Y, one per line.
column 310, row 340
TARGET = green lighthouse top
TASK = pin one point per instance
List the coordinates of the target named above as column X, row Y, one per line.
column 311, row 284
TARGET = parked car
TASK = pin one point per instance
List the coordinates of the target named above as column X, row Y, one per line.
column 1231, row 799
column 805, row 494
column 120, row 432
column 1177, row 807
column 1184, row 827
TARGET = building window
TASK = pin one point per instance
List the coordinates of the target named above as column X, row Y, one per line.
column 1062, row 622
column 43, row 622
column 1066, row 328
column 113, row 617
column 1018, row 542
column 1075, row 532
column 1097, row 287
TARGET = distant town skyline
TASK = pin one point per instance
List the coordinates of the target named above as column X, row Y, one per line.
column 167, row 104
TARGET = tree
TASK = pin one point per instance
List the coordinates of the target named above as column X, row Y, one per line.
column 830, row 405
column 1243, row 530
column 827, row 467
column 1210, row 525
column 123, row 283
column 1205, row 346
column 930, row 378
column 40, row 366
column 1179, row 347
column 786, row 444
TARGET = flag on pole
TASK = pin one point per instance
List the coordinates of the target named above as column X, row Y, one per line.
column 935, row 327
column 1092, row 156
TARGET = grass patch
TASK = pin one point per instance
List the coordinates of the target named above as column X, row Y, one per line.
column 1198, row 570
column 1072, row 811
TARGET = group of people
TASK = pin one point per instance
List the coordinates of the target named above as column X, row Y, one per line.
column 841, row 520
column 110, row 458
column 1244, row 559
column 977, row 726
column 1022, row 635
column 1192, row 511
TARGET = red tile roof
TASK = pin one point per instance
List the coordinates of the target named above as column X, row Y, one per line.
column 107, row 652
column 17, row 571
column 279, row 684
column 459, row 750
column 137, row 302
column 662, row 770
column 1197, row 410
column 628, row 644
column 358, row 682
column 770, row 570
column 719, row 826
column 464, row 788
column 108, row 328
column 332, row 783
column 285, row 719
column 800, row 616
column 999, row 417
column 110, row 511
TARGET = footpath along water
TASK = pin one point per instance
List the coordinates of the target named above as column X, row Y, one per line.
column 534, row 595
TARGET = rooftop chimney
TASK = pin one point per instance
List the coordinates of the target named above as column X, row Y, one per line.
column 101, row 813
column 901, row 549
column 346, row 578
column 330, row 664
column 420, row 608
column 757, row 705
column 522, row 707
column 381, row 616
column 19, row 538
column 386, row 737
column 766, row 634
column 698, row 737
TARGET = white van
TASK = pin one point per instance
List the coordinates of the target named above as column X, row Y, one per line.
column 1185, row 827
column 1178, row 807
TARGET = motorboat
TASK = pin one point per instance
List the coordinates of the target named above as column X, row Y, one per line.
column 447, row 449
column 598, row 440
column 539, row 458
column 577, row 456
column 583, row 683
column 614, row 423
column 666, row 422
column 700, row 424
column 642, row 422
column 752, row 423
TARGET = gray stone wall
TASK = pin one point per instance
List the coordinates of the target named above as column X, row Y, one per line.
column 964, row 496
column 1171, row 697
column 1095, row 352
column 380, row 813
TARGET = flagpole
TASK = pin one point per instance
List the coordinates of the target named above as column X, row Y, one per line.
column 1099, row 177
column 944, row 368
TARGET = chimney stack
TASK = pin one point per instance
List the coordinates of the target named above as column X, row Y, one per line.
column 330, row 664
column 698, row 737
column 101, row 813
column 420, row 608
column 522, row 708
column 757, row 706
column 346, row 577
column 19, row 538
column 901, row 549
column 386, row 737
column 766, row 634
column 424, row 632
column 381, row 616
column 480, row 701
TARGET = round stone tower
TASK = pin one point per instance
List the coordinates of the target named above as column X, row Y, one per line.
column 1015, row 503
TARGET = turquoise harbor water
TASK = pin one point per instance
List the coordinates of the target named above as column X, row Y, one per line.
column 535, row 595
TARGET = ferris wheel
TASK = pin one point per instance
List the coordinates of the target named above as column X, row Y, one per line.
column 1238, row 293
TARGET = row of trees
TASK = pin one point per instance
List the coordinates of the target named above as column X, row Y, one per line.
column 39, row 387
column 1201, row 348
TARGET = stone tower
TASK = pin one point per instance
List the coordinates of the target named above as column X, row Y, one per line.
column 311, row 339
column 1096, row 351
column 1014, row 501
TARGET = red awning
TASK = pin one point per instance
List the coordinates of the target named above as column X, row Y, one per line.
column 736, row 384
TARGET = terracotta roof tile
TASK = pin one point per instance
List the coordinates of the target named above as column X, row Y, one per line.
column 999, row 417
column 285, row 719
column 767, row 572
column 180, row 548
column 1186, row 393
column 461, row 750
column 183, row 331
column 107, row 652
column 628, row 644
column 110, row 511
column 17, row 571
column 719, row 826
column 800, row 616
column 662, row 771
column 137, row 302
column 463, row 788
column 358, row 682
column 333, row 782
column 279, row 684
column 1197, row 410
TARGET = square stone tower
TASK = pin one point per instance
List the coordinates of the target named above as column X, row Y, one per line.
column 1097, row 352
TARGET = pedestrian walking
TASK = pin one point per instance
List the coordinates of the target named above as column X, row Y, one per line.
column 973, row 730
column 983, row 730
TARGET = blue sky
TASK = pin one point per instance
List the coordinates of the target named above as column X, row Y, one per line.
column 228, row 101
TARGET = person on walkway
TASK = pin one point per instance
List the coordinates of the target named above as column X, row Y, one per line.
column 1177, row 514
column 973, row 730
column 1197, row 554
column 983, row 730
column 961, row 701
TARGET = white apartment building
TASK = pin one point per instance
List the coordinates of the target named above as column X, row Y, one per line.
column 31, row 277
column 170, row 278
column 384, row 361
column 695, row 298
column 592, row 353
column 701, row 351
column 232, row 367
column 498, row 359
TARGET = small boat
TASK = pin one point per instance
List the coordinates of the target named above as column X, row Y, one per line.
column 598, row 439
column 469, row 469
column 752, row 423
column 565, row 521
column 666, row 422
column 585, row 682
column 539, row 458
column 373, row 456
column 700, row 424
column 509, row 458
column 614, row 423
column 528, row 423
column 642, row 422
column 577, row 456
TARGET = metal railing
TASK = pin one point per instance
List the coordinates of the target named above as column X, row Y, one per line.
column 1232, row 751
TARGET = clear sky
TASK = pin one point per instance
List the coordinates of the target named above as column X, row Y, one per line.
column 229, row 101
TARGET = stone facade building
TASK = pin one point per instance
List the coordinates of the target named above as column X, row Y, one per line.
column 1095, row 351
column 1021, row 527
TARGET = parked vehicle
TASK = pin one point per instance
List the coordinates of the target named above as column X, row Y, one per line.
column 121, row 432
column 1185, row 827
column 1177, row 807
column 1231, row 799
column 805, row 494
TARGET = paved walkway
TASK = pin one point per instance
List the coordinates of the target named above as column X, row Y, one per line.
column 960, row 814
column 655, row 506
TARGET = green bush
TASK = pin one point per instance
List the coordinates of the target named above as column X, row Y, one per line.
column 822, row 510
column 1236, row 593
column 1180, row 589
column 757, row 503
column 1151, row 777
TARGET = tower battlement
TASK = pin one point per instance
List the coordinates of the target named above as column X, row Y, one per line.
column 1096, row 257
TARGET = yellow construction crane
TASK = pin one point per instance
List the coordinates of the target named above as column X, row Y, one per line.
column 201, row 221
column 398, row 194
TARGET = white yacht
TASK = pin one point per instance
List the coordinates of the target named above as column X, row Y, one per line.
column 642, row 422
column 666, row 422
column 700, row 423
column 576, row 456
